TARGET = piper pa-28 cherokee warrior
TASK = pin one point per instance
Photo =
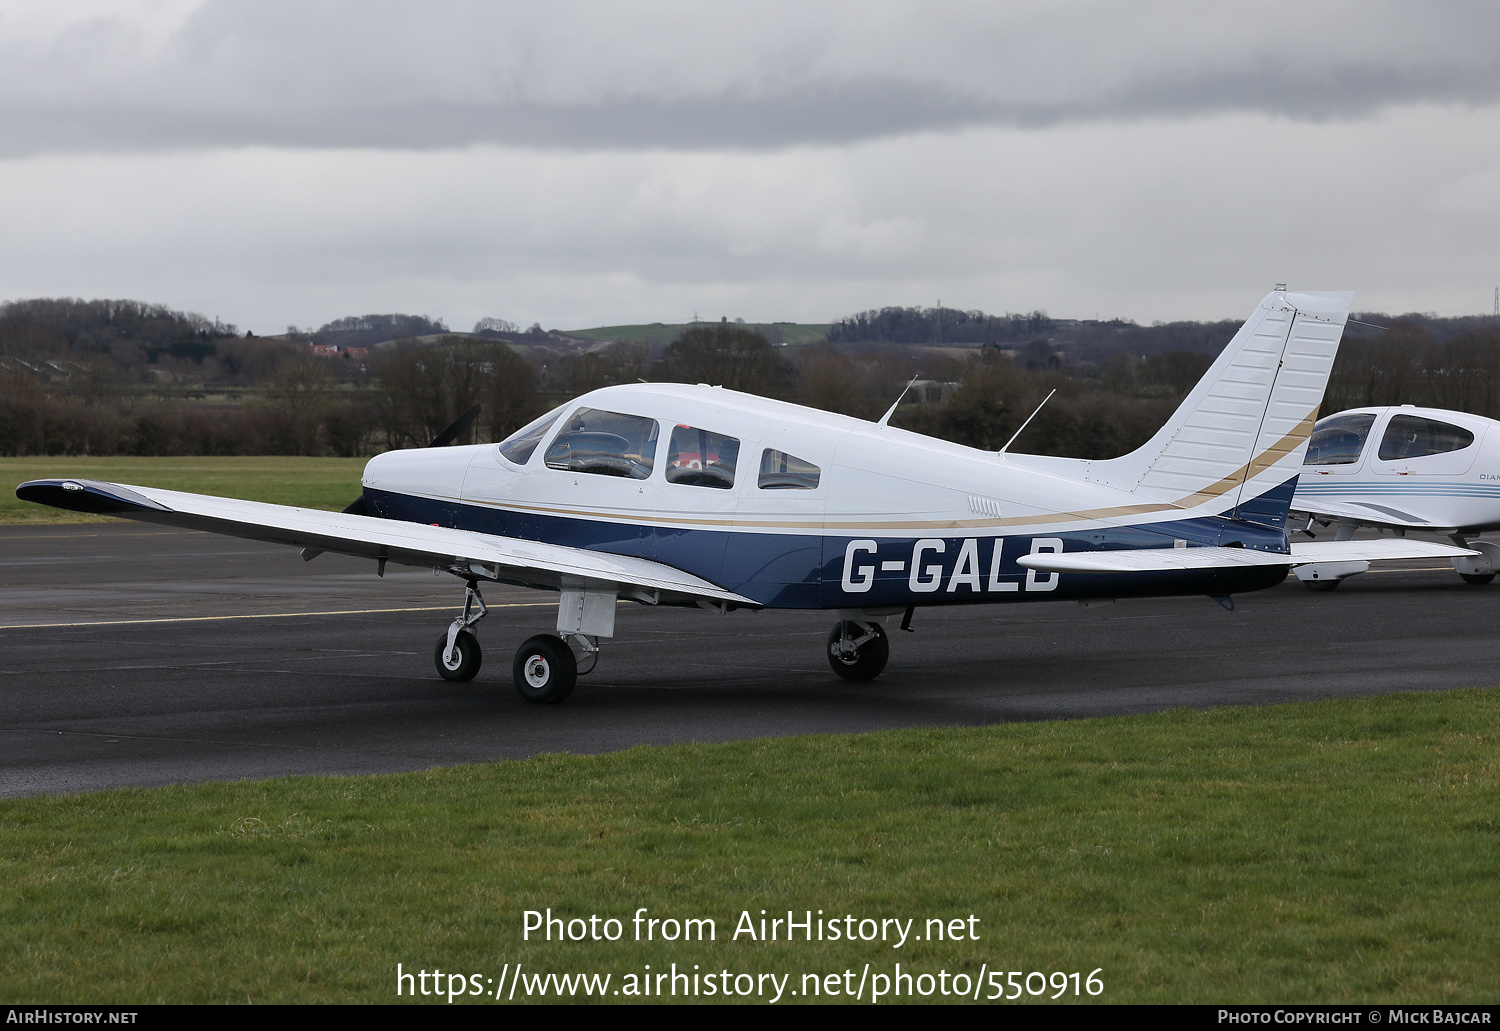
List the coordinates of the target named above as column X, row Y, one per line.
column 1403, row 468
column 668, row 494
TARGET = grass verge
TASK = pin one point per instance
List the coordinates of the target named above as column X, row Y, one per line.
column 327, row 483
column 1325, row 852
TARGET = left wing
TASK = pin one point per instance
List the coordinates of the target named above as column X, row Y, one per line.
column 1154, row 560
column 462, row 552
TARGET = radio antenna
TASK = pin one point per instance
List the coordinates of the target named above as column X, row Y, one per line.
column 1016, row 434
column 886, row 418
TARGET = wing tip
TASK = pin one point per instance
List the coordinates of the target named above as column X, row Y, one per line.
column 93, row 496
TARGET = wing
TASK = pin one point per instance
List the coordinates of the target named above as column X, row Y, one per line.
column 1154, row 560
column 462, row 552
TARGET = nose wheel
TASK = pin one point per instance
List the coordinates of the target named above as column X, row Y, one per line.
column 461, row 659
column 857, row 652
column 458, row 655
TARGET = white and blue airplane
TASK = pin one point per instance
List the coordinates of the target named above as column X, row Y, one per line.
column 1403, row 468
column 670, row 494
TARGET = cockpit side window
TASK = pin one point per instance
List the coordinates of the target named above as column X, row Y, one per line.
column 1338, row 439
column 1412, row 436
column 605, row 444
column 781, row 471
column 519, row 446
column 701, row 458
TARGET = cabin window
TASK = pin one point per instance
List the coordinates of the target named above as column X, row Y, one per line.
column 1338, row 439
column 701, row 458
column 605, row 444
column 518, row 447
column 781, row 471
column 1412, row 436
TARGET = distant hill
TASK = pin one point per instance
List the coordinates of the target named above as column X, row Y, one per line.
column 662, row 333
column 364, row 330
column 127, row 331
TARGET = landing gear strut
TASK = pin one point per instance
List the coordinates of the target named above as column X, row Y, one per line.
column 458, row 655
column 857, row 652
column 545, row 667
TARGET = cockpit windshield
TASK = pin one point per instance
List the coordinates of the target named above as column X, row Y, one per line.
column 519, row 446
column 605, row 444
column 1338, row 439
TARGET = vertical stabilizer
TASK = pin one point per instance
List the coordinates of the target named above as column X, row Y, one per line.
column 1243, row 430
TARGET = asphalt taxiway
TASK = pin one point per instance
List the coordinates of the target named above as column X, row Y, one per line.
column 137, row 655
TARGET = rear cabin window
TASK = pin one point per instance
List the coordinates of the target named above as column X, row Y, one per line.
column 1338, row 439
column 781, row 471
column 518, row 447
column 701, row 458
column 1412, row 436
column 605, row 444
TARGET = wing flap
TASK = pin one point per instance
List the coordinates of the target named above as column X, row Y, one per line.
column 1150, row 560
column 1156, row 560
column 464, row 552
column 1381, row 549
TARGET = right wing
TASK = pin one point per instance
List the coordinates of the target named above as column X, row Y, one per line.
column 1156, row 560
column 463, row 552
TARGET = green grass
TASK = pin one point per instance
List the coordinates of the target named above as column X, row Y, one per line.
column 1329, row 852
column 328, row 483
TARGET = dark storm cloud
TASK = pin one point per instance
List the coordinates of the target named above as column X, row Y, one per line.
column 714, row 75
column 588, row 76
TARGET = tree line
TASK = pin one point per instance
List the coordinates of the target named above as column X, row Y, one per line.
column 80, row 378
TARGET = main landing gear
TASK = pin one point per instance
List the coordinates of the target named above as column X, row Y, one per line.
column 857, row 652
column 545, row 668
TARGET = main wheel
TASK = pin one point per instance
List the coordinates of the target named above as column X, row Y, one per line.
column 867, row 661
column 545, row 669
column 1322, row 585
column 1477, row 578
column 466, row 664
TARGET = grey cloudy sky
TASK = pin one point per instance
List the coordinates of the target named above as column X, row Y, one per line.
column 580, row 163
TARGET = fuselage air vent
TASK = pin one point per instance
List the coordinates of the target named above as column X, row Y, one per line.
column 982, row 506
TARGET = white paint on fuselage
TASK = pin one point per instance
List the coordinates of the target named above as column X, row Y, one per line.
column 1454, row 490
column 876, row 480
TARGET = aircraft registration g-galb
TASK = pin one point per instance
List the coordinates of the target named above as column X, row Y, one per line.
column 668, row 494
column 1404, row 468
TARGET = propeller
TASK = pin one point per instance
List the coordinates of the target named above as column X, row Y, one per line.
column 443, row 439
column 458, row 425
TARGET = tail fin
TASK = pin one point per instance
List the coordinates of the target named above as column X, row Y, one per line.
column 1240, row 435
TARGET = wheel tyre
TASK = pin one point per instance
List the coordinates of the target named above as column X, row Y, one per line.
column 545, row 670
column 469, row 656
column 872, row 656
column 1322, row 585
column 1477, row 578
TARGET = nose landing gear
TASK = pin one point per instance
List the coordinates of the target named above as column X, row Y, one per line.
column 857, row 652
column 458, row 655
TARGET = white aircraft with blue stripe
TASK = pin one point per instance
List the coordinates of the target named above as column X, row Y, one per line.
column 1404, row 468
column 671, row 494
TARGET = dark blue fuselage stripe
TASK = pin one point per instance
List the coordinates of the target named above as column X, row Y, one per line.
column 784, row 570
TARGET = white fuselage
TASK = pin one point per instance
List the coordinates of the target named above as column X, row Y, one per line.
column 894, row 519
column 1386, row 479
